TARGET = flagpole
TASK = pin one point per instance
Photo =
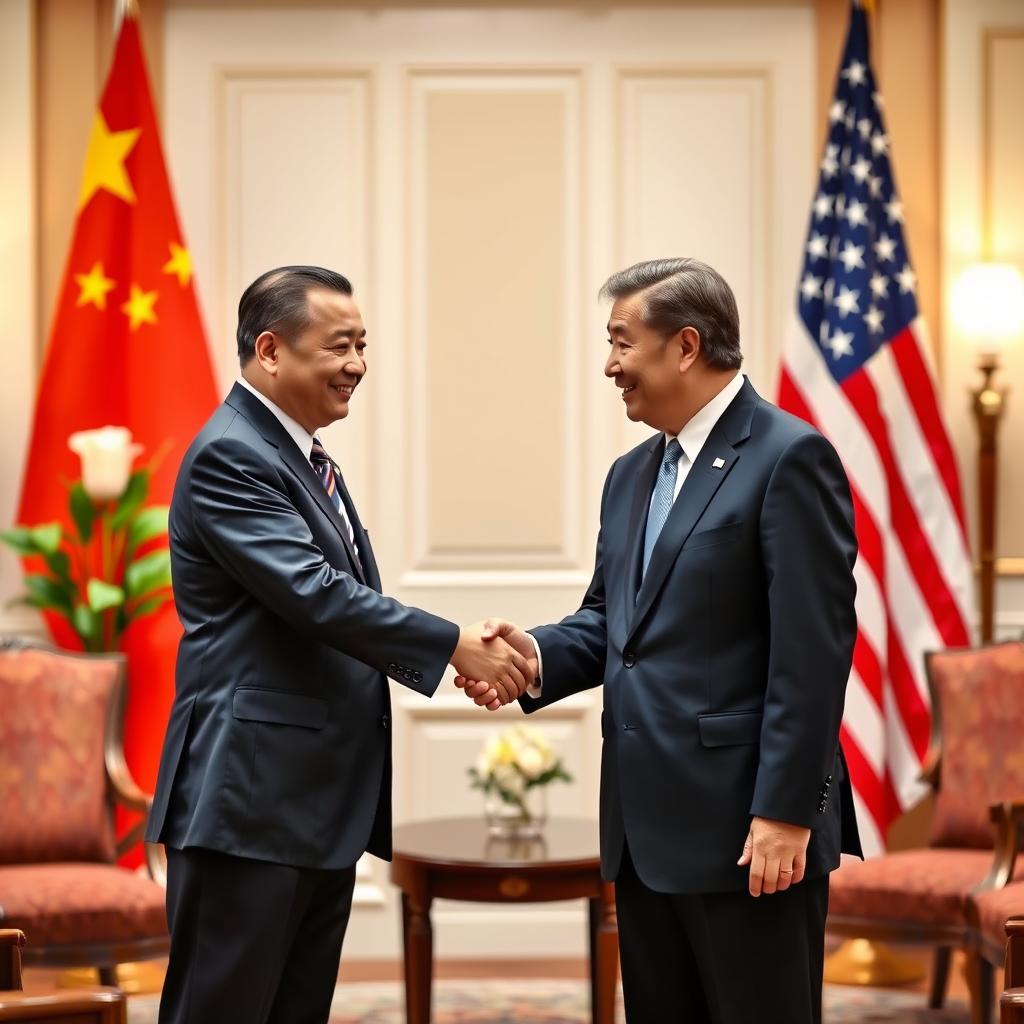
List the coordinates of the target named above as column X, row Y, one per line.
column 124, row 9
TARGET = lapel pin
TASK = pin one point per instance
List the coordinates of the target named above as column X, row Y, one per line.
column 718, row 463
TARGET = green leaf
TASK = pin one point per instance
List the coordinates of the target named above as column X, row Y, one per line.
column 103, row 595
column 83, row 511
column 149, row 523
column 47, row 592
column 47, row 537
column 20, row 538
column 60, row 565
column 129, row 502
column 147, row 607
column 150, row 572
column 87, row 624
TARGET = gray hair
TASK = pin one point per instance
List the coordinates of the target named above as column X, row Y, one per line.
column 685, row 293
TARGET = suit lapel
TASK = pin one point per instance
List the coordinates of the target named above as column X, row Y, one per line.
column 700, row 486
column 642, row 488
column 270, row 427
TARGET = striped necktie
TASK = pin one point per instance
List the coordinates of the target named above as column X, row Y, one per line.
column 325, row 470
column 662, row 499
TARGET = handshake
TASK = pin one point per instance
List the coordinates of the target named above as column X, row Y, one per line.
column 496, row 661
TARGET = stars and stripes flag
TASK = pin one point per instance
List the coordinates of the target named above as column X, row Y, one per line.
column 126, row 348
column 856, row 364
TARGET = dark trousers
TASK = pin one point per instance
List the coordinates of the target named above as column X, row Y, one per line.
column 251, row 941
column 720, row 958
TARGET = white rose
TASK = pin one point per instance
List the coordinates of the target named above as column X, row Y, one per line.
column 509, row 779
column 106, row 456
column 531, row 762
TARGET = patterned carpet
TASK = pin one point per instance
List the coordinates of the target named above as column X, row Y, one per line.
column 567, row 1002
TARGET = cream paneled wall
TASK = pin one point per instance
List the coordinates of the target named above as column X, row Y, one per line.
column 479, row 173
column 983, row 215
column 17, row 272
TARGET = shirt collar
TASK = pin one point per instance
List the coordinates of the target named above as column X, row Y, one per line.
column 695, row 432
column 298, row 433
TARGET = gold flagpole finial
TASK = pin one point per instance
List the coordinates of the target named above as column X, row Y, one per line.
column 124, row 9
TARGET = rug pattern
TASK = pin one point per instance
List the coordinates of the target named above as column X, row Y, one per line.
column 567, row 1002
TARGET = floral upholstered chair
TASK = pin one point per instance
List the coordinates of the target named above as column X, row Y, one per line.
column 62, row 770
column 976, row 766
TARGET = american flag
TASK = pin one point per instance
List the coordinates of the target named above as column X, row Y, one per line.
column 856, row 364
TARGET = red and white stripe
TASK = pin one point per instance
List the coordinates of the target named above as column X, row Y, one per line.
column 914, row 569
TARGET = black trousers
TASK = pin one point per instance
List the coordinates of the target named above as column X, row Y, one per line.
column 720, row 958
column 252, row 942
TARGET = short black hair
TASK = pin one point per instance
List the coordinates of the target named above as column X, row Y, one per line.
column 276, row 301
column 677, row 293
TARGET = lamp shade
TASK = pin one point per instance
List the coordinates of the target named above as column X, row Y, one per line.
column 988, row 304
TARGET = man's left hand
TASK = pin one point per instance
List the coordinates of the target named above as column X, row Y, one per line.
column 777, row 854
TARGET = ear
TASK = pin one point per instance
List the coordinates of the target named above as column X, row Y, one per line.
column 688, row 341
column 267, row 352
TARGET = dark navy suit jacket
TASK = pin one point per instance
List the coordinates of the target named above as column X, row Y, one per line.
column 278, row 746
column 725, row 672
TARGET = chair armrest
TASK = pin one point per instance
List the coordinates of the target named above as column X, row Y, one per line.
column 11, row 941
column 156, row 863
column 126, row 790
column 1008, row 817
column 1011, row 1006
column 931, row 767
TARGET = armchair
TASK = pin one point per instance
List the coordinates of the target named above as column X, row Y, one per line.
column 62, row 770
column 976, row 761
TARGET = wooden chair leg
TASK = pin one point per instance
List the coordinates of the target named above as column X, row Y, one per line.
column 980, row 976
column 940, row 977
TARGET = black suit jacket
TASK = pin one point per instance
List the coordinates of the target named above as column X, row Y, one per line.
column 278, row 746
column 725, row 672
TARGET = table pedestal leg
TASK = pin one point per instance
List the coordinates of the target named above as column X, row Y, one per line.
column 418, row 938
column 604, row 956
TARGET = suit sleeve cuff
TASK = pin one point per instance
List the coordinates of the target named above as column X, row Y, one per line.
column 534, row 689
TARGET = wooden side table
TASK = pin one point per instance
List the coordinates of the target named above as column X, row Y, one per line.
column 456, row 859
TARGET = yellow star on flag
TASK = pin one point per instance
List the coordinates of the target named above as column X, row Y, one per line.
column 93, row 287
column 139, row 307
column 104, row 162
column 180, row 264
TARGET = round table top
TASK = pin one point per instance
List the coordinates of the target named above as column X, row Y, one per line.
column 466, row 842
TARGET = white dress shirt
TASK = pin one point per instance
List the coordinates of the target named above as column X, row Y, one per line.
column 691, row 439
column 303, row 440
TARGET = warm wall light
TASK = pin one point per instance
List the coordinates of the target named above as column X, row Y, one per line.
column 988, row 308
column 988, row 305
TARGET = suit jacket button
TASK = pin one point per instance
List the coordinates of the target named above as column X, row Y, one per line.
column 417, row 677
column 629, row 659
column 385, row 722
column 392, row 668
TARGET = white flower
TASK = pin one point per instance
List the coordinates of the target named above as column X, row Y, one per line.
column 531, row 762
column 508, row 779
column 106, row 456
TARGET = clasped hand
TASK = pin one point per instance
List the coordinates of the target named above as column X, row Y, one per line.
column 498, row 664
column 495, row 661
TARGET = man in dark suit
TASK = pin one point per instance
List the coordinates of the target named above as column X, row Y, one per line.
column 720, row 620
column 276, row 770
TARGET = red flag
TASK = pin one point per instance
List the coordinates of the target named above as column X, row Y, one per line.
column 127, row 348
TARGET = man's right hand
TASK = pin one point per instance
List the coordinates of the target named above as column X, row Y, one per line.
column 483, row 654
column 478, row 688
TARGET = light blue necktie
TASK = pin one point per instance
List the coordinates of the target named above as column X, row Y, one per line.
column 661, row 500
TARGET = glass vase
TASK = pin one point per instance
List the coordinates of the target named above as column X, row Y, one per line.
column 521, row 818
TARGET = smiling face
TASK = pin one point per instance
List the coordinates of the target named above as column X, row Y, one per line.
column 649, row 368
column 313, row 375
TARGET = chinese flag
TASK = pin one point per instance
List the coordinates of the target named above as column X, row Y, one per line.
column 127, row 348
